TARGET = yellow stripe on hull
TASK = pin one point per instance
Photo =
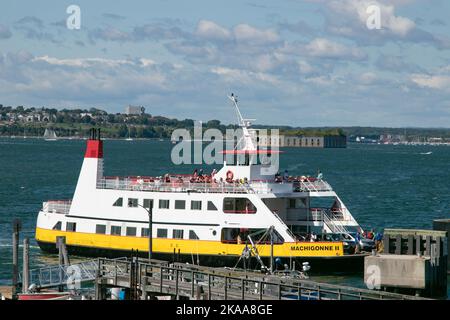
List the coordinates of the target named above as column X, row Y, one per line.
column 201, row 247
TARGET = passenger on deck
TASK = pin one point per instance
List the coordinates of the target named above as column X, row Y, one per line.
column 285, row 175
column 195, row 174
column 319, row 175
column 277, row 177
column 358, row 242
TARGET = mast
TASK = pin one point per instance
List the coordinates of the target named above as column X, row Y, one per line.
column 245, row 124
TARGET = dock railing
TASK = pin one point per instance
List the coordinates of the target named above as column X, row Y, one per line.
column 196, row 282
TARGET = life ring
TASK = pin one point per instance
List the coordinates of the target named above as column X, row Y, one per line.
column 230, row 175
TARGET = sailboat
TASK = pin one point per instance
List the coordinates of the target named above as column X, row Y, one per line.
column 50, row 135
column 129, row 138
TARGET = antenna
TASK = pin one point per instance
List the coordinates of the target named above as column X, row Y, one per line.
column 238, row 112
column 242, row 122
column 246, row 138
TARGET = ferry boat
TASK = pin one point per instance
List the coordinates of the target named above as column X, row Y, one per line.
column 202, row 219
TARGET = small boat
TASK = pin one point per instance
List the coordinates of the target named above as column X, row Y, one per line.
column 426, row 153
column 52, row 295
column 50, row 135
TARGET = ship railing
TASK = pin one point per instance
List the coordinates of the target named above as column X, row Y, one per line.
column 312, row 186
column 318, row 214
column 333, row 223
column 159, row 186
column 57, row 206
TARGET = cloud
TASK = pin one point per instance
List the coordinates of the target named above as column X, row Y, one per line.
column 393, row 63
column 109, row 34
column 30, row 21
column 437, row 22
column 113, row 16
column 5, row 33
column 34, row 28
column 300, row 27
column 438, row 81
column 211, row 31
column 251, row 35
column 348, row 18
column 324, row 48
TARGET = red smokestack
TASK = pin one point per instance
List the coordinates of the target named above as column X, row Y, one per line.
column 94, row 146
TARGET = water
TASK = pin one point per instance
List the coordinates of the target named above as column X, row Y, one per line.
column 382, row 185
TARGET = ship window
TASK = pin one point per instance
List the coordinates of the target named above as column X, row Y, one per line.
column 161, row 233
column 118, row 202
column 116, row 230
column 57, row 226
column 131, row 231
column 71, row 226
column 164, row 204
column 240, row 235
column 193, row 235
column 132, row 202
column 148, row 203
column 180, row 204
column 238, row 205
column 100, row 228
column 144, row 232
column 211, row 206
column 177, row 234
column 196, row 205
column 295, row 203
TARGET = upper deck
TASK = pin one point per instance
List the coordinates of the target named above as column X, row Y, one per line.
column 190, row 183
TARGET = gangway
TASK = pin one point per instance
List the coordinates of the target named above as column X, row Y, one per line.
column 60, row 275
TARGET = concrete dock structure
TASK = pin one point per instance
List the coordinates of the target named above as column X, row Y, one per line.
column 413, row 262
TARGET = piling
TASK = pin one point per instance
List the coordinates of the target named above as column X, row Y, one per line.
column 62, row 251
column 17, row 226
column 26, row 265
column 444, row 225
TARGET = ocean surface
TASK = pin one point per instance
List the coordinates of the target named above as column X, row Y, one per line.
column 382, row 185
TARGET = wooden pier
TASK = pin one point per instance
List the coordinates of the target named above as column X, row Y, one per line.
column 144, row 280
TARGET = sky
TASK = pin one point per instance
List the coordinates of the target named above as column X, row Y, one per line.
column 298, row 63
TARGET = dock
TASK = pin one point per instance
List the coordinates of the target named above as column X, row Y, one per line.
column 144, row 280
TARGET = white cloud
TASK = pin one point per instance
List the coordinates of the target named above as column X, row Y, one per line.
column 324, row 48
column 245, row 77
column 210, row 30
column 85, row 62
column 440, row 82
column 248, row 34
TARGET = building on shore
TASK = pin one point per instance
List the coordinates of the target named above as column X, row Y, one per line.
column 134, row 110
column 326, row 141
